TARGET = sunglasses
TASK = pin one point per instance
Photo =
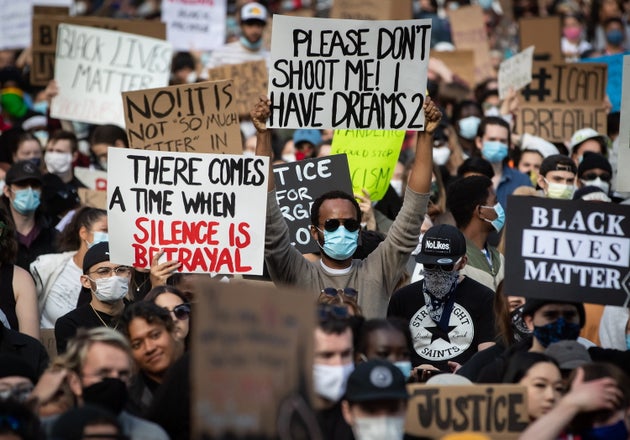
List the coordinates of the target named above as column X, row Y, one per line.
column 351, row 224
column 442, row 267
column 346, row 291
column 181, row 312
column 593, row 176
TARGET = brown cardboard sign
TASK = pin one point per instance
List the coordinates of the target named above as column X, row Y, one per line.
column 469, row 32
column 50, row 10
column 461, row 62
column 252, row 359
column 562, row 98
column 250, row 80
column 499, row 411
column 45, row 38
column 372, row 9
column 190, row 118
column 93, row 198
column 543, row 33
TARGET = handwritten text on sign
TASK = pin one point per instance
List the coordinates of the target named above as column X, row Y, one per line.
column 193, row 118
column 205, row 211
column 516, row 72
column 348, row 74
column 198, row 25
column 94, row 65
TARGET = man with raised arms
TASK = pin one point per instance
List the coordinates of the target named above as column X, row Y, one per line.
column 335, row 222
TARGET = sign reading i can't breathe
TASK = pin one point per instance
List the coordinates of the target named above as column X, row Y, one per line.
column 568, row 250
column 348, row 73
column 205, row 211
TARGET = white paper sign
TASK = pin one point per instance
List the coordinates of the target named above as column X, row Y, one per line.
column 622, row 179
column 206, row 211
column 93, row 179
column 348, row 73
column 194, row 25
column 94, row 65
column 516, row 72
column 15, row 31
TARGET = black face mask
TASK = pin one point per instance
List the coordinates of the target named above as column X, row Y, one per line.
column 110, row 393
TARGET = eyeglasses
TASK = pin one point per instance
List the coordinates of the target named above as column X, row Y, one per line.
column 351, row 224
column 442, row 267
column 592, row 176
column 105, row 272
column 330, row 311
column 181, row 312
column 346, row 291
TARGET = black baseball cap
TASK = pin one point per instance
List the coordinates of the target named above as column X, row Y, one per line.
column 22, row 171
column 96, row 254
column 442, row 244
column 376, row 380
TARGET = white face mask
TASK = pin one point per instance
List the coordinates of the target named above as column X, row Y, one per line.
column 559, row 190
column 58, row 163
column 330, row 380
column 289, row 157
column 397, row 185
column 111, row 289
column 379, row 428
column 604, row 186
column 441, row 155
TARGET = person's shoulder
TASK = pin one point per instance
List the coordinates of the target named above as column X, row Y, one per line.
column 409, row 289
column 140, row 429
column 472, row 286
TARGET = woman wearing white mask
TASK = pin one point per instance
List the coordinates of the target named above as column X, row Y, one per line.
column 58, row 276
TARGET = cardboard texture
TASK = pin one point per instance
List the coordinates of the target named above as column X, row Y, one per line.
column 372, row 9
column 44, row 42
column 434, row 411
column 544, row 34
column 252, row 360
column 93, row 198
column 561, row 99
column 568, row 250
column 622, row 179
column 249, row 79
column 469, row 32
column 190, row 118
column 461, row 62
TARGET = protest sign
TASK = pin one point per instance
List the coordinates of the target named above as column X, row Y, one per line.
column 568, row 250
column 372, row 10
column 50, row 10
column 44, row 41
column 93, row 179
column 93, row 198
column 191, row 118
column 252, row 361
column 461, row 63
column 205, row 211
column 250, row 80
column 15, row 32
column 372, row 157
column 94, row 65
column 544, row 34
column 563, row 98
column 614, row 77
column 516, row 72
column 348, row 73
column 499, row 411
column 198, row 25
column 622, row 179
column 299, row 183
column 468, row 30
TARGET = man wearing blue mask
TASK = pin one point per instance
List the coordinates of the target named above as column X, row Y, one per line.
column 335, row 223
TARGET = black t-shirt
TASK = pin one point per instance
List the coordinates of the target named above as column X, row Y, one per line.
column 471, row 323
column 81, row 317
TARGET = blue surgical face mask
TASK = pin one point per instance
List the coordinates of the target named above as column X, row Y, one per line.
column 485, row 4
column 559, row 330
column 614, row 37
column 340, row 244
column 99, row 237
column 26, row 200
column 468, row 127
column 404, row 367
column 616, row 431
column 251, row 46
column 498, row 222
column 494, row 151
column 41, row 107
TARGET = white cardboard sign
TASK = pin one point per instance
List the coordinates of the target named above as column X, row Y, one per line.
column 516, row 72
column 194, row 25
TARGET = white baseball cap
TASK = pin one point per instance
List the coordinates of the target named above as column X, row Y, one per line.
column 253, row 11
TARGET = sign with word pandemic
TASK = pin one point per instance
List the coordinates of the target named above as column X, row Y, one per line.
column 205, row 211
column 196, row 25
column 299, row 183
column 372, row 157
column 191, row 118
column 575, row 251
column 348, row 73
column 250, row 80
column 94, row 65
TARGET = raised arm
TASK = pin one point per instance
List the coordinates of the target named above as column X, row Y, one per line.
column 420, row 176
column 260, row 114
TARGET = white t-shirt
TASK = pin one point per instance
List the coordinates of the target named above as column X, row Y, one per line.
column 63, row 295
column 236, row 53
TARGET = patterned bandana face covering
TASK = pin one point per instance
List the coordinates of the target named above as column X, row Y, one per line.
column 559, row 330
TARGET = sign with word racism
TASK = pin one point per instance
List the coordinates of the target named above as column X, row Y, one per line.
column 198, row 25
column 568, row 250
column 205, row 211
column 515, row 72
column 372, row 10
column 94, row 65
column 499, row 411
column 372, row 157
column 469, row 32
column 252, row 362
column 348, row 74
column 250, row 80
column 93, row 179
column 461, row 62
column 191, row 118
column 299, row 183
column 622, row 180
column 544, row 34
column 45, row 38
column 561, row 99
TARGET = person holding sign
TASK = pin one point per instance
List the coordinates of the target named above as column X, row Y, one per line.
column 335, row 222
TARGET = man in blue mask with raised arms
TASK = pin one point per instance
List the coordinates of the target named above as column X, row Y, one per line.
column 335, row 222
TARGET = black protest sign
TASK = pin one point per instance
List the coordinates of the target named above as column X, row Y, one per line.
column 299, row 183
column 561, row 99
column 568, row 250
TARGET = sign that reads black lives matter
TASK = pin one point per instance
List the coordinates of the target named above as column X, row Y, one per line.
column 299, row 183
column 569, row 250
column 348, row 73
